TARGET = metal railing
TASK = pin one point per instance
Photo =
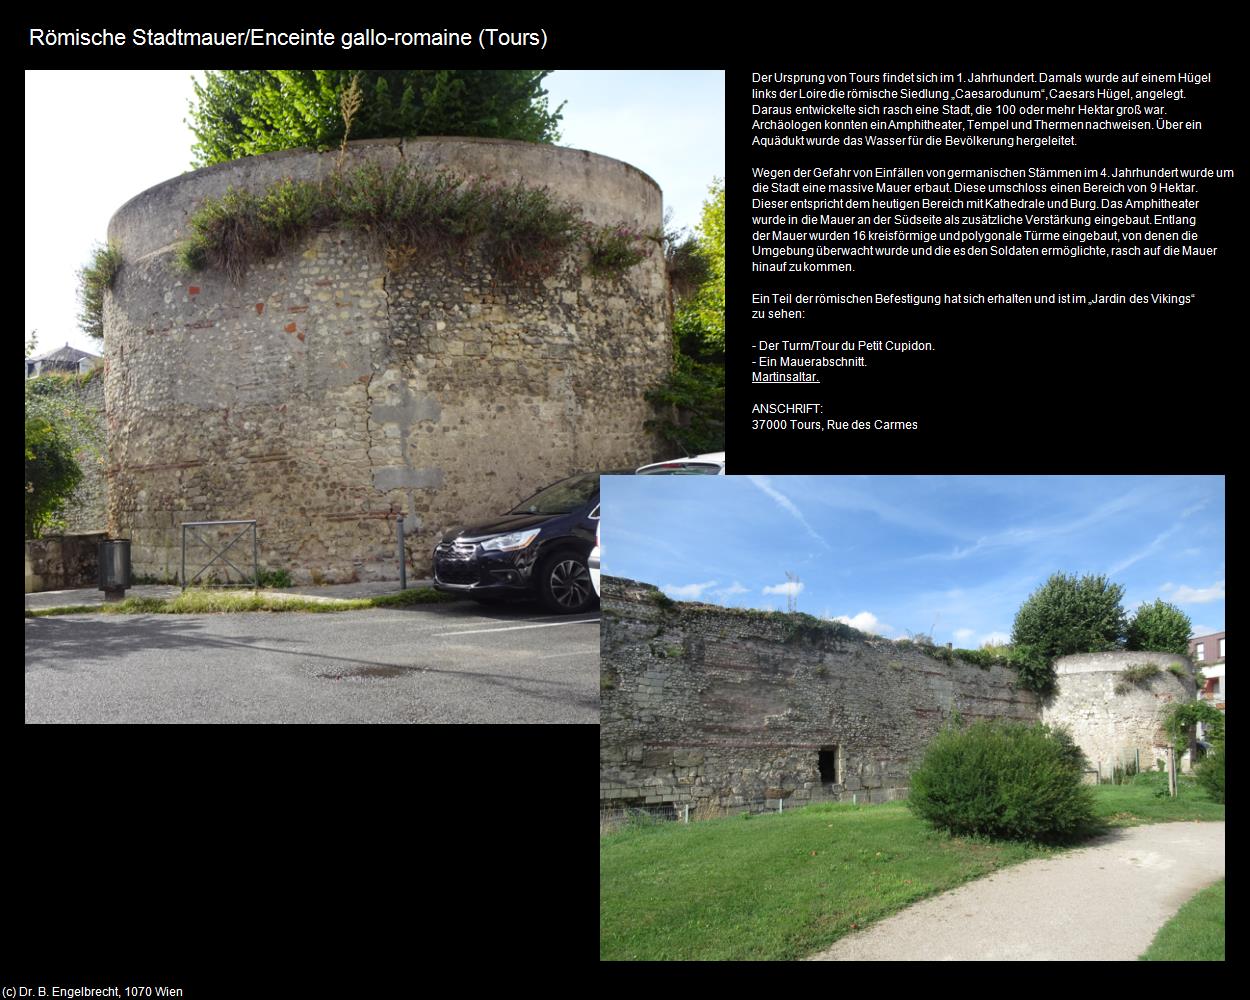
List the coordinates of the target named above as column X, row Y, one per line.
column 219, row 554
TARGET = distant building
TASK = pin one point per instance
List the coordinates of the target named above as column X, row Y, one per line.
column 1207, row 652
column 65, row 359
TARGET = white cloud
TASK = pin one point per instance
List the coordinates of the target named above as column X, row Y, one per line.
column 1150, row 549
column 995, row 639
column 1199, row 595
column 865, row 621
column 786, row 504
column 735, row 588
column 790, row 588
column 1033, row 534
column 687, row 591
column 964, row 634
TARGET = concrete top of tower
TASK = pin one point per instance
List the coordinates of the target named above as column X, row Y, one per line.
column 1115, row 661
column 608, row 191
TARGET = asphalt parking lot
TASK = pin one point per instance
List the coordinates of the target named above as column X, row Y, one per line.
column 443, row 663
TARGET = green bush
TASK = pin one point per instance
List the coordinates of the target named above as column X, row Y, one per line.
column 1210, row 772
column 1160, row 628
column 52, row 475
column 1035, row 670
column 1006, row 780
column 1139, row 677
column 615, row 249
column 277, row 578
column 529, row 232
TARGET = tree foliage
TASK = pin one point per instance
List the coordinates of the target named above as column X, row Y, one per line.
column 247, row 112
column 1181, row 717
column 1160, row 628
column 691, row 403
column 708, row 304
column 52, row 474
column 1210, row 772
column 60, row 434
column 1068, row 615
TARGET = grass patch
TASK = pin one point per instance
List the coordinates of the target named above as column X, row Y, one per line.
column 199, row 602
column 1139, row 676
column 1146, row 800
column 780, row 887
column 661, row 600
column 1195, row 934
column 414, row 595
column 785, row 886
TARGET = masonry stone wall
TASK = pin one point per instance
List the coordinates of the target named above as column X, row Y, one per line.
column 63, row 562
column 1113, row 719
column 704, row 705
column 323, row 394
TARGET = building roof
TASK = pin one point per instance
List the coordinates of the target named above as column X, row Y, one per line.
column 66, row 356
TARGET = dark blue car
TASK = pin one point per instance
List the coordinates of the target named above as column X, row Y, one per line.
column 540, row 548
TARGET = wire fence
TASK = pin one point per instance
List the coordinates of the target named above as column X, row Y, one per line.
column 615, row 817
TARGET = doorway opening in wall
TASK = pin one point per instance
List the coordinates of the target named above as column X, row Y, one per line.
column 829, row 765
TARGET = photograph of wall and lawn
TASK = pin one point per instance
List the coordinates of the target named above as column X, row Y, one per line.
column 900, row 718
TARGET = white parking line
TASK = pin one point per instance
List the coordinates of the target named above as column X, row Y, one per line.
column 514, row 628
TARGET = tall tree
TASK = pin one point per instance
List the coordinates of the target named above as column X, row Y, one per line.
column 1160, row 627
column 690, row 404
column 246, row 112
column 709, row 303
column 1068, row 614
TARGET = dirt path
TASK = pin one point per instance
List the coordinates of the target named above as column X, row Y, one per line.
column 1103, row 902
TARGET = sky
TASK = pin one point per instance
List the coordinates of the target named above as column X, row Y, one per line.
column 950, row 557
column 95, row 139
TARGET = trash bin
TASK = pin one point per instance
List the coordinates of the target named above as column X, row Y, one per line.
column 115, row 568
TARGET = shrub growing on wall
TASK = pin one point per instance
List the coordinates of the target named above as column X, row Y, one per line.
column 1005, row 780
column 408, row 214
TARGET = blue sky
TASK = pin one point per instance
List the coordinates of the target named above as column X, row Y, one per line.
column 82, row 165
column 950, row 556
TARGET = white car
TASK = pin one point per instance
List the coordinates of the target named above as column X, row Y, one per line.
column 592, row 562
column 711, row 464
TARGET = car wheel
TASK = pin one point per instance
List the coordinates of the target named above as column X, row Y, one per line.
column 564, row 583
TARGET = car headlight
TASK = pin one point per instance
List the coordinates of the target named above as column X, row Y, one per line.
column 512, row 542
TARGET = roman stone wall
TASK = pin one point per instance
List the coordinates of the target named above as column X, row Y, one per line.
column 323, row 393
column 63, row 562
column 1114, row 719
column 732, row 709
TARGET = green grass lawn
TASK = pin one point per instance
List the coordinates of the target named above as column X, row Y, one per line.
column 194, row 601
column 1195, row 934
column 774, row 886
column 785, row 886
column 1146, row 801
